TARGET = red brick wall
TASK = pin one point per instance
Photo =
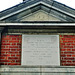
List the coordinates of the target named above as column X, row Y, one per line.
column 10, row 53
column 67, row 50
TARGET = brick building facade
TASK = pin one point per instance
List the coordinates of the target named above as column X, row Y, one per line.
column 37, row 17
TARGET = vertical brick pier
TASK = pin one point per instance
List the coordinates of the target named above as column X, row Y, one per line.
column 10, row 53
column 67, row 48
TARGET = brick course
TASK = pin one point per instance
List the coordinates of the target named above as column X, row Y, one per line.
column 67, row 50
column 10, row 53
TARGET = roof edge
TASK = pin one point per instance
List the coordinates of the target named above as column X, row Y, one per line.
column 37, row 24
column 20, row 8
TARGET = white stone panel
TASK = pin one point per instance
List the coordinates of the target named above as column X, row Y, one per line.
column 40, row 50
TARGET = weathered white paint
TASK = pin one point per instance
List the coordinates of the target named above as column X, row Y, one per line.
column 37, row 70
column 37, row 24
column 40, row 16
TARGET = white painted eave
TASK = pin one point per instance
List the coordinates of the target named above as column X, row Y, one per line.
column 58, row 9
column 16, row 12
column 37, row 24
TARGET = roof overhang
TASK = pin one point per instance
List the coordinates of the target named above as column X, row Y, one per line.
column 49, row 6
column 37, row 24
column 37, row 27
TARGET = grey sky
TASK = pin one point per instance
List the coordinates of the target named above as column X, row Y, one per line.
column 4, row 4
